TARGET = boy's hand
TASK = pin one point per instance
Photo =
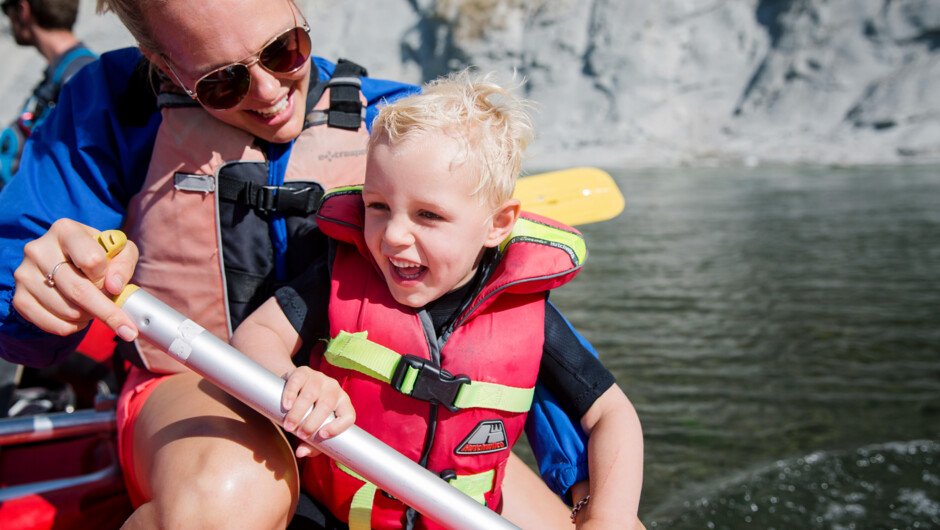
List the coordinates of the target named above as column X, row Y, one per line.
column 307, row 388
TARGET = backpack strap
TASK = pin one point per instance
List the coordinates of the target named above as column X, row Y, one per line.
column 67, row 61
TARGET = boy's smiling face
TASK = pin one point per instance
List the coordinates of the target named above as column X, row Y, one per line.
column 423, row 227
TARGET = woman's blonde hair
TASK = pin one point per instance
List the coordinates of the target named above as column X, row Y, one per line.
column 132, row 15
column 490, row 123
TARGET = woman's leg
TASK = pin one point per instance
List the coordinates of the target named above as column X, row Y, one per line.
column 204, row 460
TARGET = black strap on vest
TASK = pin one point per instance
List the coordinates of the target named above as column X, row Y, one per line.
column 346, row 111
column 175, row 100
column 290, row 199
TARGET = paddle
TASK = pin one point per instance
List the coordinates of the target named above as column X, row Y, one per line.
column 573, row 196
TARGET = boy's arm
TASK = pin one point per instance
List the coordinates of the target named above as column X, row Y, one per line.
column 268, row 337
column 615, row 455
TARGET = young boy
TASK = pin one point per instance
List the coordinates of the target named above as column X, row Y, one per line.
column 435, row 301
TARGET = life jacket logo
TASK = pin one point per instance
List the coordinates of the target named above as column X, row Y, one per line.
column 487, row 437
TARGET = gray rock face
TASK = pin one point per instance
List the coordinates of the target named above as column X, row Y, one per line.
column 623, row 82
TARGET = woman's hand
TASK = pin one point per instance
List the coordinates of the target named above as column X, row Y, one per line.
column 80, row 283
column 307, row 388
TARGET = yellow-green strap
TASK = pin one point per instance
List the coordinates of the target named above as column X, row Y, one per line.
column 475, row 485
column 360, row 512
column 526, row 229
column 485, row 395
column 342, row 190
column 354, row 351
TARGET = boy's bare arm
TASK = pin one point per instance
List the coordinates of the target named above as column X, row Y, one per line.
column 268, row 337
column 615, row 459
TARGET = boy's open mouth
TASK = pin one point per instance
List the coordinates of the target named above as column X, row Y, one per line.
column 406, row 269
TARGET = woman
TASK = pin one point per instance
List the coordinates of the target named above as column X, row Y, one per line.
column 217, row 196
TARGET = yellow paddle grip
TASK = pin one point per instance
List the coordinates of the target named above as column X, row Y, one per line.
column 113, row 241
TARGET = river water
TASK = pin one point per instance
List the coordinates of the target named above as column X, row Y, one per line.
column 778, row 330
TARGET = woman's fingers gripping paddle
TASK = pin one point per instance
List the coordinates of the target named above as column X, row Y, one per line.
column 308, row 388
column 65, row 280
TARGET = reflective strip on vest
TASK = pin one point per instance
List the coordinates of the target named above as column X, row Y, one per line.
column 354, row 351
column 529, row 230
column 360, row 511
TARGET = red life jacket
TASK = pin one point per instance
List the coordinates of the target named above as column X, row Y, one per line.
column 200, row 219
column 496, row 342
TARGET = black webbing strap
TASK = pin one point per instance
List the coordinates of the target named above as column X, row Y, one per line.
column 345, row 105
column 295, row 199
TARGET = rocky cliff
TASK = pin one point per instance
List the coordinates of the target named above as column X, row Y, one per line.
column 625, row 83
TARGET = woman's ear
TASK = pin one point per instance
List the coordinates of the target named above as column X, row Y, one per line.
column 504, row 219
column 157, row 60
column 150, row 55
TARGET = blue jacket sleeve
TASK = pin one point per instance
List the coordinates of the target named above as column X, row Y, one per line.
column 83, row 163
column 558, row 443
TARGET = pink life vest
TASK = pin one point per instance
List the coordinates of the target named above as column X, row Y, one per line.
column 496, row 343
column 182, row 220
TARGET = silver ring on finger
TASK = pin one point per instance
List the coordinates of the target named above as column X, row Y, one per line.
column 50, row 278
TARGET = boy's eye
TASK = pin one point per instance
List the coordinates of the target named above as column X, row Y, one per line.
column 430, row 215
column 377, row 206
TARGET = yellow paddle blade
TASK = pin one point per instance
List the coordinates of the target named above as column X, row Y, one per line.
column 573, row 196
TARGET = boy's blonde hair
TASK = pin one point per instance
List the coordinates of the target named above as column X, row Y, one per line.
column 490, row 123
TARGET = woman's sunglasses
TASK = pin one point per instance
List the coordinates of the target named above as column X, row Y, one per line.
column 226, row 87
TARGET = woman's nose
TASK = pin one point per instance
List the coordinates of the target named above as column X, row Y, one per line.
column 265, row 86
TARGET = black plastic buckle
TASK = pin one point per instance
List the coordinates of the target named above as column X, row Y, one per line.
column 286, row 200
column 267, row 198
column 299, row 201
column 433, row 384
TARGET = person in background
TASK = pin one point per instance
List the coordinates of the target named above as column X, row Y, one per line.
column 434, row 270
column 47, row 26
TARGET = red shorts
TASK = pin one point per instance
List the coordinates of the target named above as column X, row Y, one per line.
column 137, row 388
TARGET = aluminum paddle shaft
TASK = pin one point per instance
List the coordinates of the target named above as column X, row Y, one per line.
column 242, row 377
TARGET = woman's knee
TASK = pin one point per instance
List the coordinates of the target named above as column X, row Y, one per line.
column 239, row 495
column 220, row 484
column 214, row 463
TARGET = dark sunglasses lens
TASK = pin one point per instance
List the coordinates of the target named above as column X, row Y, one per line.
column 225, row 88
column 288, row 52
